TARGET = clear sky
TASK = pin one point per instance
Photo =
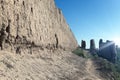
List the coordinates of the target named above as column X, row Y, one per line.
column 92, row 19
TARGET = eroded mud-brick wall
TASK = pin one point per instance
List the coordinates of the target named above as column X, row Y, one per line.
column 36, row 21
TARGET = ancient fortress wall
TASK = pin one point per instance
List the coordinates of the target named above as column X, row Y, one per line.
column 36, row 21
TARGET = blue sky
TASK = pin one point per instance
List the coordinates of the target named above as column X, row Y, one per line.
column 92, row 19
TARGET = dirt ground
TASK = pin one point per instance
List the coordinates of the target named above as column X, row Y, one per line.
column 46, row 65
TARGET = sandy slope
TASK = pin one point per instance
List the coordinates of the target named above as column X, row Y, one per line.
column 46, row 65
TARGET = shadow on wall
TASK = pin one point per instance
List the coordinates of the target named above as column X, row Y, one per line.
column 107, row 50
